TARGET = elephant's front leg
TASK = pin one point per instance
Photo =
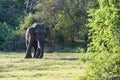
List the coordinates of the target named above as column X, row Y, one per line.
column 28, row 51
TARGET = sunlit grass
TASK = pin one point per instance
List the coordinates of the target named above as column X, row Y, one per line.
column 54, row 66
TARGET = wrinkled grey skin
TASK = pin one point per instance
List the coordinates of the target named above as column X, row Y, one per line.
column 35, row 36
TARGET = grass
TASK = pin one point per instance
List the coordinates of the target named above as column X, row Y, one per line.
column 54, row 66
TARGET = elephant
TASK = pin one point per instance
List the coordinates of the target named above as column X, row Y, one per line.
column 35, row 38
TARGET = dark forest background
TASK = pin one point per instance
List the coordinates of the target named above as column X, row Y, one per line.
column 65, row 18
column 74, row 24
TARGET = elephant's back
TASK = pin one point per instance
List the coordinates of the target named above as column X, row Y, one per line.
column 34, row 25
column 38, row 25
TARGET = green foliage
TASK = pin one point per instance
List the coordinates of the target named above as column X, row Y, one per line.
column 71, row 21
column 104, row 27
column 11, row 11
column 72, row 50
column 76, row 47
column 11, row 14
column 25, row 24
column 66, row 18
column 65, row 26
column 4, row 27
column 102, row 66
column 92, row 4
column 6, row 34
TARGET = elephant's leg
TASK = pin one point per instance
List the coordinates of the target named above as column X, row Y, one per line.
column 28, row 51
column 38, row 49
column 35, row 49
column 38, row 53
column 42, row 49
column 26, row 41
column 41, row 52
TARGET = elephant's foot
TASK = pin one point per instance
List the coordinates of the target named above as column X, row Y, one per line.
column 28, row 56
column 39, row 57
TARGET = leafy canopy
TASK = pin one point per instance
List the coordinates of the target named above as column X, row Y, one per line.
column 105, row 27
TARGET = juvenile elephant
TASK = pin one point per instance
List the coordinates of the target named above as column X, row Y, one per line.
column 35, row 36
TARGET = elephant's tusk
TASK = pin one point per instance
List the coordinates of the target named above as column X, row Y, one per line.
column 39, row 45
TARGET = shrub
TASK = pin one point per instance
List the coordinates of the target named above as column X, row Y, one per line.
column 104, row 24
column 102, row 66
column 25, row 24
column 6, row 35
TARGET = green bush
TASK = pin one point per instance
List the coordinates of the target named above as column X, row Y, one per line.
column 73, row 49
column 27, row 21
column 104, row 24
column 6, row 35
column 102, row 66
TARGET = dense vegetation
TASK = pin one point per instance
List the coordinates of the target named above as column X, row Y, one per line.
column 65, row 18
column 104, row 35
column 91, row 26
column 105, row 26
column 101, row 66
column 11, row 15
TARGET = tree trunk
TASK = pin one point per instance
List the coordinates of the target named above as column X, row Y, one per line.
column 29, row 7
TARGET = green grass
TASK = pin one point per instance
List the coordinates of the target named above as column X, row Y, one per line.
column 54, row 66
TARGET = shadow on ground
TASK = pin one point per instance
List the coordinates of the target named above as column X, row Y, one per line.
column 71, row 59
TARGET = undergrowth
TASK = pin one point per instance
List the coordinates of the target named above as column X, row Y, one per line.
column 101, row 66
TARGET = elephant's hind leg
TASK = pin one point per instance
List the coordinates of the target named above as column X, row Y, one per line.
column 28, row 51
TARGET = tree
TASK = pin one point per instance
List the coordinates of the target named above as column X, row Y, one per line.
column 11, row 11
column 11, row 14
column 66, row 18
column 27, row 21
column 29, row 7
column 6, row 35
column 104, row 24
